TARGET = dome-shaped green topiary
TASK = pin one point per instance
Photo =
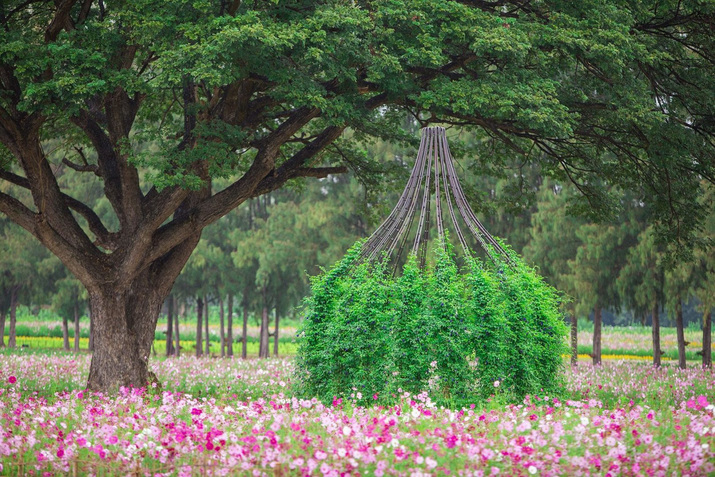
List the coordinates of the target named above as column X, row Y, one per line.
column 369, row 335
column 493, row 327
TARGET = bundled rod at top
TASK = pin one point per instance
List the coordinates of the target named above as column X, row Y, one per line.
column 433, row 176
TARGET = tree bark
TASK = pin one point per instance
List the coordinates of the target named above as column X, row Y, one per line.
column 90, row 345
column 65, row 333
column 199, row 328
column 707, row 340
column 177, row 346
column 124, row 324
column 596, row 353
column 13, row 316
column 206, row 324
column 655, row 326
column 275, row 334
column 170, row 325
column 574, row 340
column 244, row 343
column 680, row 333
column 221, row 329
column 76, row 327
column 229, row 351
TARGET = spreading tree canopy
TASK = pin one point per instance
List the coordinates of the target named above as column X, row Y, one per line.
column 175, row 93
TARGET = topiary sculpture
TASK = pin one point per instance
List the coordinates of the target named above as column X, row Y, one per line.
column 491, row 326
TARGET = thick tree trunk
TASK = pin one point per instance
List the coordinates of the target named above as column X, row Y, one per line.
column 680, row 330
column 707, row 340
column 655, row 326
column 65, row 333
column 244, row 343
column 229, row 351
column 222, row 332
column 199, row 328
column 574, row 340
column 596, row 353
column 13, row 316
column 76, row 328
column 275, row 334
column 3, row 314
column 177, row 346
column 206, row 324
column 124, row 322
column 170, row 326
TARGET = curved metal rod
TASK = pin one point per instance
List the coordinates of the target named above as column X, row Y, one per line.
column 426, row 193
column 434, row 154
column 376, row 241
column 406, row 205
column 437, row 192
column 443, row 160
column 469, row 216
column 407, row 222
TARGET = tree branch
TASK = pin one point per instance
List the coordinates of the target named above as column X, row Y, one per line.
column 36, row 225
column 82, row 168
column 211, row 209
column 293, row 167
column 84, row 11
column 121, row 111
column 319, row 172
column 17, row 212
column 106, row 161
column 234, row 7
column 60, row 21
column 105, row 239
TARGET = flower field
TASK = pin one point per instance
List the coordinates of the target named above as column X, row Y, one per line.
column 235, row 417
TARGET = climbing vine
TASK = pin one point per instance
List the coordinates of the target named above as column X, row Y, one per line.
column 494, row 328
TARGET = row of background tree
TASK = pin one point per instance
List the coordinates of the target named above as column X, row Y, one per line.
column 255, row 262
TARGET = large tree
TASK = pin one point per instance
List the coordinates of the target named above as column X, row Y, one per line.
column 179, row 92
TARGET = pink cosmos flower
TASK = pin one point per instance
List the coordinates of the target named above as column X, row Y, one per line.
column 195, row 412
column 60, row 452
column 12, row 380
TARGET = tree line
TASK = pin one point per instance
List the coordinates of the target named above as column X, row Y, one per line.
column 255, row 263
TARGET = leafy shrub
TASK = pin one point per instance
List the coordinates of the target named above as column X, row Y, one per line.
column 495, row 328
